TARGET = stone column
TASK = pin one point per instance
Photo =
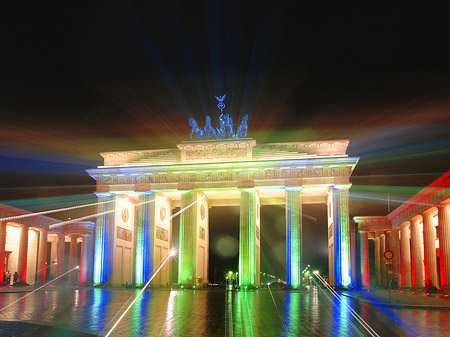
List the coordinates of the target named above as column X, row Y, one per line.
column 2, row 250
column 429, row 240
column 342, row 254
column 60, row 256
column 42, row 257
column 23, row 253
column 104, row 239
column 416, row 254
column 364, row 258
column 188, row 240
column 395, row 247
column 353, row 253
column 444, row 244
column 382, row 260
column 377, row 261
column 294, row 237
column 84, row 263
column 406, row 256
column 145, row 227
column 247, row 238
column 73, row 259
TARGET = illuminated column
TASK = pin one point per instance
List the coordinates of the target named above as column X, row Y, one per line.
column 23, row 252
column 104, row 237
column 416, row 254
column 144, row 237
column 364, row 258
column 342, row 255
column 395, row 247
column 2, row 250
column 84, row 261
column 377, row 261
column 382, row 260
column 247, row 238
column 73, row 259
column 429, row 240
column 42, row 257
column 406, row 256
column 188, row 239
column 444, row 244
column 294, row 237
column 61, row 246
column 353, row 253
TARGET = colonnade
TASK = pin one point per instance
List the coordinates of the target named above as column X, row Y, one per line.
column 420, row 247
column 23, row 249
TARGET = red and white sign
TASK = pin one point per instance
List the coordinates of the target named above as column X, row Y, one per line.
column 388, row 255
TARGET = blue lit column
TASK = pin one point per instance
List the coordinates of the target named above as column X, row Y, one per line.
column 342, row 270
column 247, row 238
column 104, row 239
column 294, row 237
column 144, row 237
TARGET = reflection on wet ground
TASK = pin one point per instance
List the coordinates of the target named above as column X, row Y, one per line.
column 217, row 313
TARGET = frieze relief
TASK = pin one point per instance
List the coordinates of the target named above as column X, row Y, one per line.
column 216, row 153
column 229, row 175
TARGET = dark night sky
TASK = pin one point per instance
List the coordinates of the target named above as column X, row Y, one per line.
column 79, row 79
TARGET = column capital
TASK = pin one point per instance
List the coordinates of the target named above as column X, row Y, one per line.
column 293, row 188
column 405, row 224
column 342, row 186
column 430, row 211
column 103, row 194
column 415, row 218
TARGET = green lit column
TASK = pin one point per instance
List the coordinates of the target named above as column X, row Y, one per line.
column 294, row 237
column 247, row 238
column 144, row 237
column 342, row 255
column 188, row 239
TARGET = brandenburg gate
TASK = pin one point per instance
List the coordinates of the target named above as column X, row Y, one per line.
column 137, row 191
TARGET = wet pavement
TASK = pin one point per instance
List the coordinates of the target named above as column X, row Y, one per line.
column 216, row 312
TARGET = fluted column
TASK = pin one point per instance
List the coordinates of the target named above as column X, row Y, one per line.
column 382, row 260
column 364, row 258
column 341, row 234
column 429, row 240
column 187, row 256
column 377, row 261
column 61, row 246
column 247, row 238
column 395, row 248
column 2, row 250
column 444, row 244
column 42, row 257
column 406, row 256
column 144, row 237
column 73, row 259
column 104, row 239
column 416, row 254
column 23, row 253
column 294, row 237
column 84, row 261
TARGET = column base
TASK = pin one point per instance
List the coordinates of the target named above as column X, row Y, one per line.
column 445, row 289
column 247, row 288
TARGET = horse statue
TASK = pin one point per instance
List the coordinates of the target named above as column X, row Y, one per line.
column 242, row 128
column 209, row 131
column 228, row 127
column 196, row 131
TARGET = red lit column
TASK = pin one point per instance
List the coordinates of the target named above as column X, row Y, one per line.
column 377, row 261
column 84, row 263
column 42, row 257
column 60, row 256
column 2, row 250
column 387, row 246
column 382, row 260
column 73, row 259
column 406, row 256
column 429, row 240
column 416, row 254
column 23, row 252
column 395, row 247
column 364, row 258
column 444, row 244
